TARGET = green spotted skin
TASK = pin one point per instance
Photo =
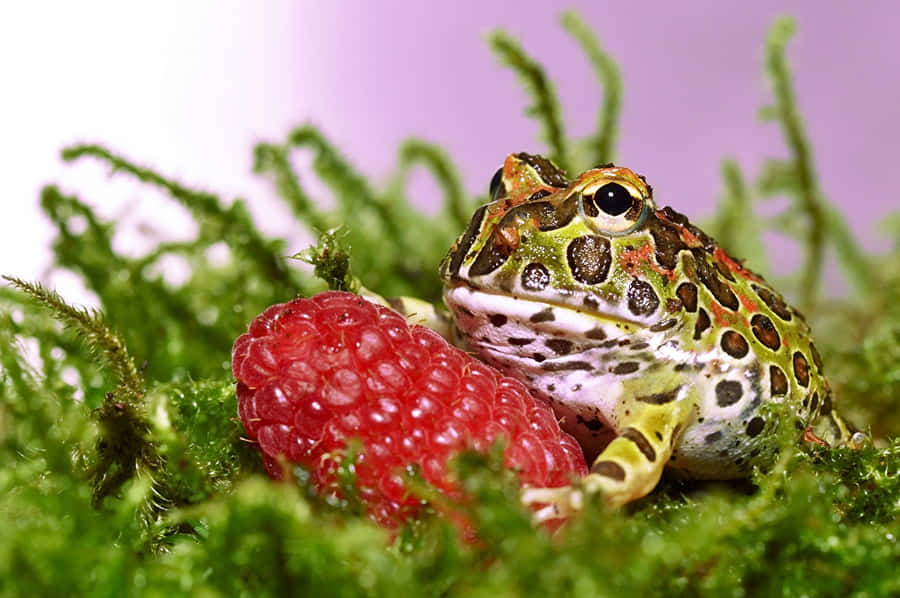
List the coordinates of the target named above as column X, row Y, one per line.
column 655, row 348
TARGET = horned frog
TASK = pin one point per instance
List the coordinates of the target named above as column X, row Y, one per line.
column 653, row 346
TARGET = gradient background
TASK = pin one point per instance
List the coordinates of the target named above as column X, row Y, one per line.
column 188, row 88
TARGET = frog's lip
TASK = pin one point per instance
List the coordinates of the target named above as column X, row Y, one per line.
column 529, row 306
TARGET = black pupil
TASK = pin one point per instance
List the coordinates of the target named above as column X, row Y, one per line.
column 495, row 182
column 613, row 199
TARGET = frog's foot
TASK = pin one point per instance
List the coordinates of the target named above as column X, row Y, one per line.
column 628, row 468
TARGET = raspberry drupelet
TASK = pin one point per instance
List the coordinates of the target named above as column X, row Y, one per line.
column 315, row 373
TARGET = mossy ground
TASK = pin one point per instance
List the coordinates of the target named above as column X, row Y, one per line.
column 124, row 471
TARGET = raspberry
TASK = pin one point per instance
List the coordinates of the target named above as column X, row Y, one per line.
column 314, row 373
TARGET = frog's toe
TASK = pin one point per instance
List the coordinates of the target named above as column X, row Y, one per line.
column 559, row 503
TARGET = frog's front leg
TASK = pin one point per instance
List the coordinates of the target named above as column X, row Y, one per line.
column 630, row 466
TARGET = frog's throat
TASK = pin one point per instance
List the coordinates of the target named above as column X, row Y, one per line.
column 536, row 312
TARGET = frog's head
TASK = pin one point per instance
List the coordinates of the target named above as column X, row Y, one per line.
column 596, row 246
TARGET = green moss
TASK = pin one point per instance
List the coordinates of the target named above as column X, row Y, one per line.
column 123, row 470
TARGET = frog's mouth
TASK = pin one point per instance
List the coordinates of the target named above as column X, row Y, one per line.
column 479, row 311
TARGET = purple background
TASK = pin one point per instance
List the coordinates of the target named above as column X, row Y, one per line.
column 190, row 89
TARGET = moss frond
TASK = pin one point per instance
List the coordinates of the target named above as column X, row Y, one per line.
column 798, row 177
column 331, row 262
column 232, row 224
column 100, row 339
column 735, row 225
column 274, row 159
column 545, row 107
column 433, row 157
column 600, row 146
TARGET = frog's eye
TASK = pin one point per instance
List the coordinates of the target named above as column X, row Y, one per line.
column 613, row 199
column 612, row 208
column 496, row 183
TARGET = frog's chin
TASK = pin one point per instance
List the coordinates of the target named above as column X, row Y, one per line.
column 477, row 308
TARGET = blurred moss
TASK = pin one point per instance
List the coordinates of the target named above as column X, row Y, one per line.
column 123, row 470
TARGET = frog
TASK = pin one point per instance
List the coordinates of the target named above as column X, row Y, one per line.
column 656, row 349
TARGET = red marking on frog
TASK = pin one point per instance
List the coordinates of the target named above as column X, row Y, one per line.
column 725, row 318
column 734, row 265
column 749, row 304
column 689, row 238
column 631, row 260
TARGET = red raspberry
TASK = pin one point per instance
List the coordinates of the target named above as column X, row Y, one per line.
column 314, row 373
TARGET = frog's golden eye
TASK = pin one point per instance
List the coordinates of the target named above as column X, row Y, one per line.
column 612, row 208
column 496, row 183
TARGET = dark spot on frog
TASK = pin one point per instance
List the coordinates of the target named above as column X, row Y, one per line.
column 545, row 315
column 627, row 367
column 713, row 437
column 734, row 344
column 755, row 426
column 551, row 388
column 703, row 323
column 639, row 346
column 591, row 303
column 817, row 359
column 801, row 369
column 519, row 342
column 539, row 195
column 497, row 320
column 595, row 334
column 589, row 259
column 535, row 277
column 709, row 276
column 642, row 299
column 594, row 425
column 724, row 271
column 660, row 398
column 492, row 255
column 664, row 325
column 667, row 241
column 549, row 173
column 643, row 445
column 774, row 302
column 465, row 311
column 728, row 392
column 560, row 346
column 765, row 331
column 552, row 366
column 826, row 405
column 658, row 435
column 609, row 469
column 465, row 242
column 778, row 381
column 687, row 293
column 538, row 357
column 814, row 402
column 673, row 305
